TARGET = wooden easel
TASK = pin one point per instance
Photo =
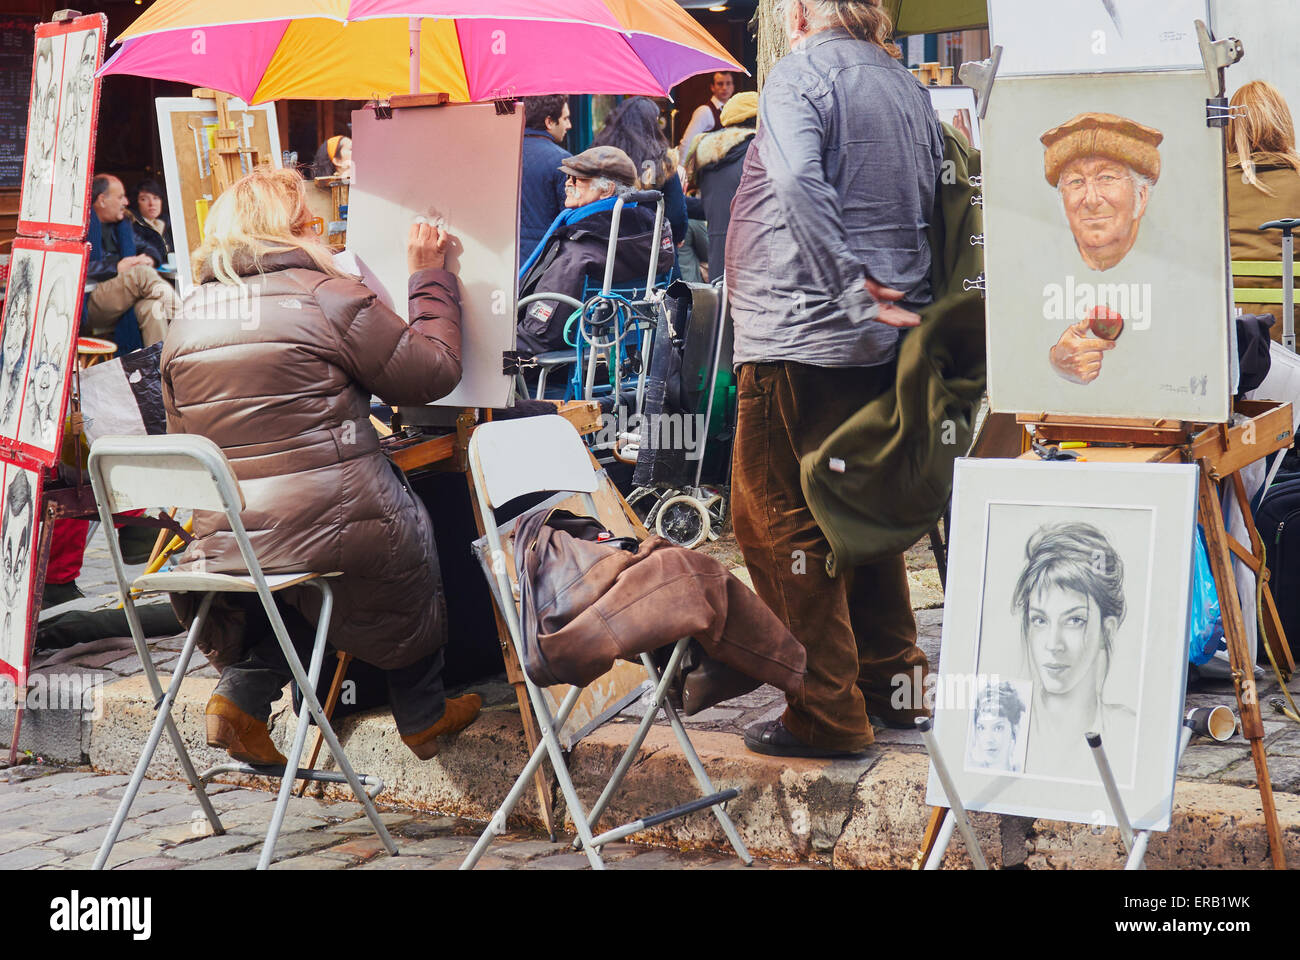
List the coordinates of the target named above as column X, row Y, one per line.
column 1221, row 451
column 933, row 75
column 229, row 156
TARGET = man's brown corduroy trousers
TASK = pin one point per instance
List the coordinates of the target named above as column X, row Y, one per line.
column 858, row 628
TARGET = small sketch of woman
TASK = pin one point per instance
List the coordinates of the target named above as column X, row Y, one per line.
column 45, row 378
column 1070, row 600
column 992, row 745
column 16, row 335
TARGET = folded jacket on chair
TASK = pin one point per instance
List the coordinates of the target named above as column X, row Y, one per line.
column 587, row 603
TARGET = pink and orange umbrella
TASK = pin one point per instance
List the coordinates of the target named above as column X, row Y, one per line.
column 473, row 50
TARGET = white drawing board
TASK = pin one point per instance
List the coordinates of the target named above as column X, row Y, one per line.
column 459, row 163
column 1095, row 36
column 1067, row 613
column 1106, row 253
column 956, row 105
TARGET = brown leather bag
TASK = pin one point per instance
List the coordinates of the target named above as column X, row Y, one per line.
column 587, row 602
column 562, row 570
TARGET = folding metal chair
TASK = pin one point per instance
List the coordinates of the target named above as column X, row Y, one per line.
column 510, row 458
column 130, row 473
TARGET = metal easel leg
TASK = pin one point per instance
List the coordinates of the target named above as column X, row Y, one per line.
column 1138, row 852
column 1218, row 724
column 1112, row 789
column 956, row 810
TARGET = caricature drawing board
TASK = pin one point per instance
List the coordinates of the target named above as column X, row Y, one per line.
column 38, row 342
column 20, row 500
column 61, row 122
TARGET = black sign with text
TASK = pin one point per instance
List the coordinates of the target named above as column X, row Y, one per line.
column 17, row 41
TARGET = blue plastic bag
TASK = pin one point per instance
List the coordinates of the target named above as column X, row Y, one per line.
column 1207, row 624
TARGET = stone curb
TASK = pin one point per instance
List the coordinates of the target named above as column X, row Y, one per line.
column 869, row 814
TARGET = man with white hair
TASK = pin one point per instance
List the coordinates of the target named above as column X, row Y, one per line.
column 1103, row 166
column 572, row 253
column 827, row 254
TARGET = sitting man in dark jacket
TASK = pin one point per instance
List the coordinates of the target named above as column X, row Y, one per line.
column 130, row 302
column 574, row 249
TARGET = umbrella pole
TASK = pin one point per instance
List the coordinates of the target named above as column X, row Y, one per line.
column 413, row 26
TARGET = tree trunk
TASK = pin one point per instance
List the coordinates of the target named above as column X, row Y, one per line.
column 772, row 44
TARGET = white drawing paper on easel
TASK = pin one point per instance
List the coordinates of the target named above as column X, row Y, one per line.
column 1095, row 36
column 460, row 163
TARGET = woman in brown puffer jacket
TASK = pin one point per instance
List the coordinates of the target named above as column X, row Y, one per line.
column 275, row 359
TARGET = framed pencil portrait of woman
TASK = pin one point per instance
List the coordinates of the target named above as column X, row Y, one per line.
column 1067, row 614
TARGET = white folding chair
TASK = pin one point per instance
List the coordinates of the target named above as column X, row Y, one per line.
column 510, row 458
column 129, row 473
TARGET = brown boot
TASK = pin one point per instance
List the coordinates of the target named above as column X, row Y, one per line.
column 460, row 713
column 241, row 735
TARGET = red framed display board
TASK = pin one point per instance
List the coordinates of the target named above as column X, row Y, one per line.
column 61, row 123
column 38, row 343
column 20, row 512
column 42, row 312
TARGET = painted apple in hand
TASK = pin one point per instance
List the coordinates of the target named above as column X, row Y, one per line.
column 1105, row 323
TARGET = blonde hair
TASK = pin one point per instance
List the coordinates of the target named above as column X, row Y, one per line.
column 262, row 213
column 1262, row 133
column 864, row 19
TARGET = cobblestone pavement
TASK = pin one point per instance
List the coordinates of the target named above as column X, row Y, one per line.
column 56, row 819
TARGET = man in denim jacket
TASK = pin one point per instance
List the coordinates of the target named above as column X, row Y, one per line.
column 827, row 257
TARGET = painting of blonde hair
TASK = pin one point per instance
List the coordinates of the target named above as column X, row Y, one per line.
column 262, row 213
column 1260, row 131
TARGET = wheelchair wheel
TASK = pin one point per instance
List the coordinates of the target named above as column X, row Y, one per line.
column 683, row 521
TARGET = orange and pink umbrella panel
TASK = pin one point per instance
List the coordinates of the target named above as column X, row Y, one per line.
column 473, row 50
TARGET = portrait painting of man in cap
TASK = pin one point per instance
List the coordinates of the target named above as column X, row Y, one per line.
column 1104, row 167
column 1107, row 283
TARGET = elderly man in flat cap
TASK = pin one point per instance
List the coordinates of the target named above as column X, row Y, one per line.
column 1104, row 167
column 573, row 250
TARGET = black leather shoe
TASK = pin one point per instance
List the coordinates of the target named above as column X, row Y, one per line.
column 57, row 593
column 773, row 739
